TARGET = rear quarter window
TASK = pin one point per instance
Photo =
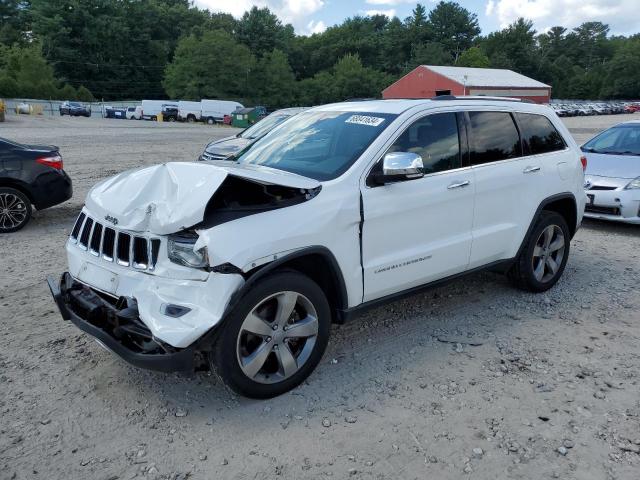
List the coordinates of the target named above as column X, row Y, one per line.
column 539, row 135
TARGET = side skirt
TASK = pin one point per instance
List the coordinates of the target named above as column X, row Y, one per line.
column 500, row 266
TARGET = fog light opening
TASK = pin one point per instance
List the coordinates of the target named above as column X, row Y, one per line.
column 175, row 311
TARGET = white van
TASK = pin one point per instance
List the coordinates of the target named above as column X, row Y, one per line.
column 214, row 110
column 189, row 111
column 134, row 113
column 152, row 108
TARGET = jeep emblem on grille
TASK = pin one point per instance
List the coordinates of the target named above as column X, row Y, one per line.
column 111, row 219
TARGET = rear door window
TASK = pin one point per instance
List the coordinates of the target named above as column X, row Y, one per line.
column 493, row 136
column 539, row 135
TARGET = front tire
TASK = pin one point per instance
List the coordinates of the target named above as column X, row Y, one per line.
column 544, row 256
column 275, row 336
column 15, row 210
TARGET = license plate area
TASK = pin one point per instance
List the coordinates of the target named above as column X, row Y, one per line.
column 98, row 277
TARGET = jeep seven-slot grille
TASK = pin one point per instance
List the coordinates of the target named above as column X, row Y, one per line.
column 126, row 249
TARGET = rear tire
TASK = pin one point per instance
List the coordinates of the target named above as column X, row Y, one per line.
column 15, row 210
column 210, row 121
column 544, row 256
column 274, row 337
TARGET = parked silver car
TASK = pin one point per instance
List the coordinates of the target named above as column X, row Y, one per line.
column 222, row 149
column 612, row 177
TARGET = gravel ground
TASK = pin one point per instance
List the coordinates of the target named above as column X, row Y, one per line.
column 475, row 379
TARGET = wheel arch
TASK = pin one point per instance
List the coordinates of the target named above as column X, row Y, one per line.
column 316, row 262
column 17, row 185
column 562, row 203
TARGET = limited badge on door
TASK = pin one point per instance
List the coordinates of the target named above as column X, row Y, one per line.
column 591, row 198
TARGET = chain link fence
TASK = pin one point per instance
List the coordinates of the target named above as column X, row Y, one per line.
column 52, row 107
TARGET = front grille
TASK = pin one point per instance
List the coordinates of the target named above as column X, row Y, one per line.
column 125, row 248
column 213, row 156
column 603, row 210
column 602, row 187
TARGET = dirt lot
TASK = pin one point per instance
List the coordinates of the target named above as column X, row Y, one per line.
column 475, row 379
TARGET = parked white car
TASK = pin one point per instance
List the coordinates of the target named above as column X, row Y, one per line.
column 134, row 113
column 244, row 265
column 612, row 180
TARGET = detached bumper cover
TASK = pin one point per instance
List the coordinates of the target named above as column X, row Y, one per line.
column 117, row 327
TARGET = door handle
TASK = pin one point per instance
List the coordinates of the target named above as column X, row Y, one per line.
column 466, row 183
column 531, row 169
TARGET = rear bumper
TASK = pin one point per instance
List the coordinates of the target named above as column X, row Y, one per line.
column 117, row 327
column 51, row 188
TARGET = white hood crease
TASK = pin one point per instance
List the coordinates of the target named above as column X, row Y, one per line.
column 170, row 197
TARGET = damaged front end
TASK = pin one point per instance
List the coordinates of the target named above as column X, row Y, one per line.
column 117, row 326
column 144, row 279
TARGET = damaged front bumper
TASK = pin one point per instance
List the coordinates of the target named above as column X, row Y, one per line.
column 117, row 326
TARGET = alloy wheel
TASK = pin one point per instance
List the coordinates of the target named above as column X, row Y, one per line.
column 13, row 211
column 277, row 337
column 548, row 253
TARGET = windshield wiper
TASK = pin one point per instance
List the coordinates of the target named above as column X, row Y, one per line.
column 628, row 152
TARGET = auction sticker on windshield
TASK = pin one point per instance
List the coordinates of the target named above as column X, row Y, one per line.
column 365, row 120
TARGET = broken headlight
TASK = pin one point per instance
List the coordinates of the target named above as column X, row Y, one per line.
column 180, row 249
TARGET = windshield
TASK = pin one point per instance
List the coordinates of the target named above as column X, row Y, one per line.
column 620, row 140
column 319, row 145
column 263, row 126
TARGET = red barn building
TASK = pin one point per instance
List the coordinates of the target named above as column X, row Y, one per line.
column 428, row 81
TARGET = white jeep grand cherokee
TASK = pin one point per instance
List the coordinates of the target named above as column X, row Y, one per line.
column 244, row 264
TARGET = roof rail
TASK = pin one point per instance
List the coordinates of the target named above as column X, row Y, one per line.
column 481, row 97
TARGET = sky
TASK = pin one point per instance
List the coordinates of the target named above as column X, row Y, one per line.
column 311, row 16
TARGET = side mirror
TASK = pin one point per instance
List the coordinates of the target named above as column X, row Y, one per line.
column 400, row 166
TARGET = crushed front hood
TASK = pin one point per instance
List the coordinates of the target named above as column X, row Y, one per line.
column 167, row 198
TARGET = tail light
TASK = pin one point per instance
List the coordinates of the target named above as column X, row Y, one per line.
column 583, row 160
column 54, row 161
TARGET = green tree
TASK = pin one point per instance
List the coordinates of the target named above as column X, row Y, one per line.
column 473, row 57
column 212, row 65
column 454, row 27
column 25, row 73
column 262, row 31
column 623, row 72
column 430, row 53
column 514, row 47
column 67, row 93
column 84, row 95
column 353, row 80
column 316, row 90
column 273, row 81
column 117, row 49
column 13, row 21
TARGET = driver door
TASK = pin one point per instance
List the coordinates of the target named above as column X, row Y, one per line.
column 418, row 231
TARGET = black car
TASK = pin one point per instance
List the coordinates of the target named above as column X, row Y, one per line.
column 29, row 175
column 169, row 113
column 115, row 112
column 75, row 109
